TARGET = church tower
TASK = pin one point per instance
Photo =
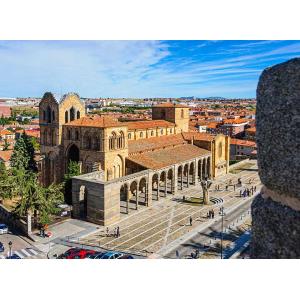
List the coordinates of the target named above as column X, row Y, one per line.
column 175, row 113
column 54, row 111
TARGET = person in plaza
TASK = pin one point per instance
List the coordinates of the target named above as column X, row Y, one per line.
column 213, row 214
column 226, row 187
column 107, row 231
column 255, row 188
column 191, row 221
column 177, row 254
column 118, row 231
column 240, row 193
column 234, row 187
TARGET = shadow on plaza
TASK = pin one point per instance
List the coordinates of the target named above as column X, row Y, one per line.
column 214, row 246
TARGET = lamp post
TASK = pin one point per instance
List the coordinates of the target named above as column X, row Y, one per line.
column 10, row 246
column 222, row 214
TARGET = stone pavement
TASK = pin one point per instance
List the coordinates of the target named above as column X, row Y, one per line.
column 149, row 230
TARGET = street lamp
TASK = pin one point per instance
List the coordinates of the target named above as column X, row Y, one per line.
column 10, row 246
column 222, row 214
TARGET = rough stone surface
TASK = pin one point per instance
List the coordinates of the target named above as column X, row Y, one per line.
column 275, row 230
column 278, row 128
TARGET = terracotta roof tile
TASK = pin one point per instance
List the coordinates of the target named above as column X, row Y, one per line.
column 96, row 121
column 242, row 143
column 158, row 142
column 198, row 136
column 161, row 158
column 148, row 124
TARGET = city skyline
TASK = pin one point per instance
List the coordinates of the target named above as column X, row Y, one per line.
column 138, row 69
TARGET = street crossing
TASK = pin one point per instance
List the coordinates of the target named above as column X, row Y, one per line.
column 23, row 253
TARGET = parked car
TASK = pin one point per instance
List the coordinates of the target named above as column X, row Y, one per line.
column 111, row 255
column 3, row 229
column 96, row 255
column 69, row 252
column 1, row 247
column 13, row 256
column 82, row 253
column 126, row 256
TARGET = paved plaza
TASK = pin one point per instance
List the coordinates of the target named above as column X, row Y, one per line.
column 149, row 230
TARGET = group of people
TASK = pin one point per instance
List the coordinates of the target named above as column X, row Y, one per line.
column 248, row 192
column 211, row 214
column 116, row 232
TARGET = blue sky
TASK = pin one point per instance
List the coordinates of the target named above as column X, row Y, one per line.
column 138, row 68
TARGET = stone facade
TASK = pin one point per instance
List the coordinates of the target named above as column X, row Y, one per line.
column 276, row 210
column 108, row 151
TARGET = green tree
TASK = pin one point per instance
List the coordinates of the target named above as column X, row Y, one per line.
column 73, row 170
column 33, row 198
column 23, row 154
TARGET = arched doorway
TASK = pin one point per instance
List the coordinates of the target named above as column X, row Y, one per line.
column 73, row 153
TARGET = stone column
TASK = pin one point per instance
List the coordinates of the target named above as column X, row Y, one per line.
column 149, row 193
column 196, row 180
column 181, row 175
column 127, row 200
column 201, row 169
column 276, row 210
column 137, row 197
column 158, row 189
column 188, row 177
column 175, row 181
column 166, row 184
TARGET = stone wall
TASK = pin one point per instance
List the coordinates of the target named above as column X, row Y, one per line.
column 276, row 210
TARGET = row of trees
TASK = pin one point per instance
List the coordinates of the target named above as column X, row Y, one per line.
column 21, row 183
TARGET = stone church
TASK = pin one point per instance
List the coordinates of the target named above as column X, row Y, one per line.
column 124, row 164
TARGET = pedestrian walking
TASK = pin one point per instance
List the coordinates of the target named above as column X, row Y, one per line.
column 177, row 254
column 191, row 221
column 213, row 214
column 118, row 231
column 240, row 193
column 226, row 187
column 115, row 232
column 234, row 187
column 255, row 188
column 107, row 231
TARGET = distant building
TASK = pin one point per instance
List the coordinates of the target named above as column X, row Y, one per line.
column 241, row 149
column 5, row 111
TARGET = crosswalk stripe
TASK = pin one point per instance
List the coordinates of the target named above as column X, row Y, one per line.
column 31, row 251
column 25, row 252
column 18, row 253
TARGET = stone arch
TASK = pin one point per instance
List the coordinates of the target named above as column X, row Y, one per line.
column 186, row 174
column 180, row 176
column 49, row 114
column 143, row 190
column 141, row 134
column 163, row 180
column 191, row 172
column 134, row 189
column 118, row 167
column 72, row 114
column 170, row 181
column 66, row 116
column 73, row 153
column 155, row 186
column 112, row 141
column 121, row 140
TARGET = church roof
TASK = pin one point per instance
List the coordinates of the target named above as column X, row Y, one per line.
column 161, row 158
column 148, row 144
column 59, row 98
column 96, row 121
column 148, row 124
column 198, row 136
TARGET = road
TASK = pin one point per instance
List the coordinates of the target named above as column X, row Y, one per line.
column 20, row 246
column 210, row 237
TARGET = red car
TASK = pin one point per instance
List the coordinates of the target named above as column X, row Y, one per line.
column 78, row 253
